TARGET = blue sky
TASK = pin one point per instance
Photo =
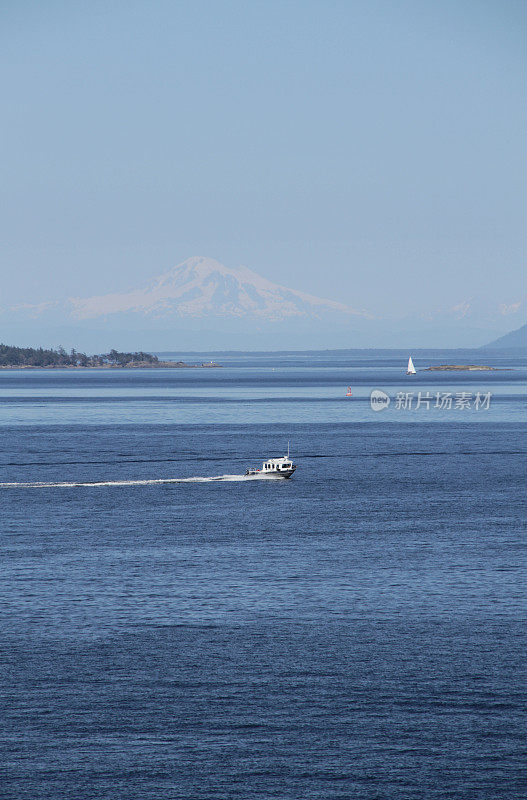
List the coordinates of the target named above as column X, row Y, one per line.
column 370, row 152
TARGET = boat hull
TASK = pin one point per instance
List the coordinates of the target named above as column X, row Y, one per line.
column 285, row 474
column 274, row 475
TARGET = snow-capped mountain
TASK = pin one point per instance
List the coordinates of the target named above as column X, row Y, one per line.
column 201, row 287
column 483, row 310
column 201, row 303
column 197, row 304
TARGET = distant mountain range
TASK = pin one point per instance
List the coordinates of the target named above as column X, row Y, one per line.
column 202, row 304
column 202, row 287
column 515, row 340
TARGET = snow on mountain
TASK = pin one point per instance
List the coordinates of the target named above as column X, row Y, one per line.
column 200, row 287
column 480, row 309
column 200, row 302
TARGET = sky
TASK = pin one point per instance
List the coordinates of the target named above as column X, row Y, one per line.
column 369, row 152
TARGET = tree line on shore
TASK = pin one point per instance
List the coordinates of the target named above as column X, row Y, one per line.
column 39, row 357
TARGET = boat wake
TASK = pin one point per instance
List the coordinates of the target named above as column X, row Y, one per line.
column 146, row 482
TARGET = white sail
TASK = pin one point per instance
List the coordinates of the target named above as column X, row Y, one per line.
column 411, row 368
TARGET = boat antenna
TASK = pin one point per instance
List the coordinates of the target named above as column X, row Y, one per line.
column 288, row 450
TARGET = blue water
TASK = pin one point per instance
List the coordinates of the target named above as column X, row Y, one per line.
column 355, row 632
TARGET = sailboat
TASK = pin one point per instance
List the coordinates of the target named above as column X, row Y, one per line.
column 411, row 369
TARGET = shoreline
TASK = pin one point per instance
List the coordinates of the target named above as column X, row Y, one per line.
column 160, row 365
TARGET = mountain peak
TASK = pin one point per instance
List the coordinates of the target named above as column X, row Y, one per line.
column 202, row 286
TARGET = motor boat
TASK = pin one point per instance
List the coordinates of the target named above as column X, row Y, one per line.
column 274, row 468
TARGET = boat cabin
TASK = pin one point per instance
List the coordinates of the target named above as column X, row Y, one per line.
column 277, row 465
column 274, row 468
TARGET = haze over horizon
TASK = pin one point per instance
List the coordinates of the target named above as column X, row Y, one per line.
column 367, row 153
column 201, row 304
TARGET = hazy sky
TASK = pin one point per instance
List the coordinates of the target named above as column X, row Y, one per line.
column 371, row 152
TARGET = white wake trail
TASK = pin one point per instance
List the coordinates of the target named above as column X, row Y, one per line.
column 149, row 482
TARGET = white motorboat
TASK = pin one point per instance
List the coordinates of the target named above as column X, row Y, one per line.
column 274, row 468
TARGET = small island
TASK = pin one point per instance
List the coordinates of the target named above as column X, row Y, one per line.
column 459, row 367
column 39, row 358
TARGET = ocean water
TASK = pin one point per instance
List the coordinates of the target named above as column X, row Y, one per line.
column 171, row 631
